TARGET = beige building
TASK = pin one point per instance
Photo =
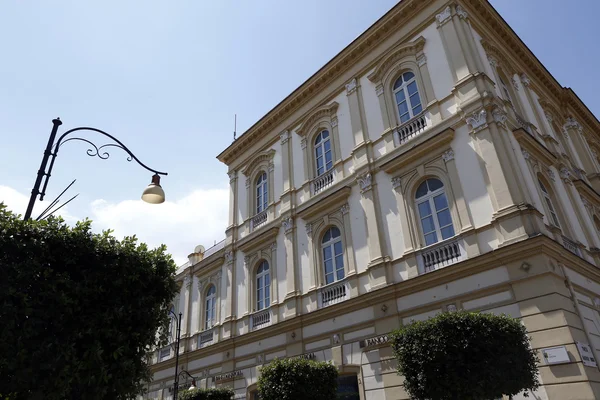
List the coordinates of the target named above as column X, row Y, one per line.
column 434, row 164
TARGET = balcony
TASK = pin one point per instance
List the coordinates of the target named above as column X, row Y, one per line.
column 258, row 220
column 206, row 337
column 214, row 249
column 260, row 319
column 323, row 181
column 571, row 246
column 441, row 255
column 410, row 129
column 333, row 294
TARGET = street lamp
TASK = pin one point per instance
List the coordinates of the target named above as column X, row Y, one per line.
column 177, row 373
column 153, row 194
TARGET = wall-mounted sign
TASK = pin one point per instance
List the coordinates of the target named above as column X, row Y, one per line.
column 307, row 356
column 556, row 355
column 374, row 341
column 587, row 356
column 228, row 376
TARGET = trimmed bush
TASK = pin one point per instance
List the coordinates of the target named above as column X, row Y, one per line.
column 206, row 394
column 298, row 379
column 462, row 355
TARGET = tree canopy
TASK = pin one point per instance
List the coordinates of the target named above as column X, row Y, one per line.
column 466, row 356
column 298, row 379
column 79, row 311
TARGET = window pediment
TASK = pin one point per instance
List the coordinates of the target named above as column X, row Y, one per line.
column 495, row 53
column 327, row 111
column 400, row 52
column 254, row 241
column 264, row 157
column 312, row 207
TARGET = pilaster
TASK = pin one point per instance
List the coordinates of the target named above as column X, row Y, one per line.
column 357, row 122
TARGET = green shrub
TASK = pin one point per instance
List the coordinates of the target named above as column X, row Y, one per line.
column 298, row 379
column 206, row 394
column 462, row 355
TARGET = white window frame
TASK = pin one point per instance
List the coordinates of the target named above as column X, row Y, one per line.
column 262, row 192
column 321, row 145
column 331, row 245
column 263, row 282
column 210, row 304
column 429, row 197
column 553, row 215
column 407, row 98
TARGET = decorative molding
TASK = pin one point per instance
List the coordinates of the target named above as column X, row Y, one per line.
column 586, row 203
column 396, row 183
column 232, row 176
column 303, row 143
column 551, row 175
column 345, row 209
column 187, row 281
column 571, row 124
column 448, row 155
column 247, row 182
column 336, row 338
column 499, row 116
column 525, row 80
column 451, row 308
column 548, row 117
column 477, row 120
column 351, row 86
column 515, row 83
column 218, row 275
column 271, row 167
column 260, row 158
column 443, row 16
column 421, row 60
column 284, row 137
column 327, row 111
column 229, row 257
column 379, row 90
column 461, row 12
column 247, row 260
column 492, row 60
column 395, row 56
column 309, row 230
column 288, row 225
column 526, row 154
column 565, row 175
column 365, row 182
column 273, row 246
column 334, row 122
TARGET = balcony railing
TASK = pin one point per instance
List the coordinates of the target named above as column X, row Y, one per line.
column 441, row 255
column 322, row 181
column 259, row 219
column 206, row 337
column 260, row 319
column 410, row 128
column 333, row 294
column 212, row 250
column 571, row 246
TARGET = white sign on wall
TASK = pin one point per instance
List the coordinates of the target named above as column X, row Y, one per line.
column 556, row 355
column 586, row 354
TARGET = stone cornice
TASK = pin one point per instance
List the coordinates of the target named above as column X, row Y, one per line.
column 343, row 61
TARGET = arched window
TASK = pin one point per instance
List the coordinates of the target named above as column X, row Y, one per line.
column 263, row 286
column 333, row 255
column 323, row 155
column 407, row 96
column 553, row 217
column 262, row 193
column 211, row 300
column 434, row 211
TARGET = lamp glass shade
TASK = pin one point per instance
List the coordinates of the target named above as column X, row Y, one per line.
column 154, row 193
column 193, row 386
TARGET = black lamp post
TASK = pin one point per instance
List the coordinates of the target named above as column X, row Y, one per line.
column 176, row 382
column 153, row 193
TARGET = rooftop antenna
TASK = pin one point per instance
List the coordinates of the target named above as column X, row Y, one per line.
column 234, row 126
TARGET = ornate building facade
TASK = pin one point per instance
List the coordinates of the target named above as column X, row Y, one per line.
column 432, row 165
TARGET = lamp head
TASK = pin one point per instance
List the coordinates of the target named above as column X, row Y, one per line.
column 154, row 193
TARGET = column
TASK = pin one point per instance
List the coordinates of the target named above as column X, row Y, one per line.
column 227, row 295
column 187, row 303
column 357, row 122
column 377, row 272
column 289, row 229
column 460, row 65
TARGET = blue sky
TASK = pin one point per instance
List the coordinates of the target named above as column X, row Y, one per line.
column 166, row 78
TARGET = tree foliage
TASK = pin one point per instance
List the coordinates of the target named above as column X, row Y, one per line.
column 466, row 356
column 298, row 379
column 79, row 311
column 206, row 394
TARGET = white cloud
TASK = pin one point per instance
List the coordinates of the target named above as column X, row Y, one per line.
column 17, row 203
column 198, row 218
